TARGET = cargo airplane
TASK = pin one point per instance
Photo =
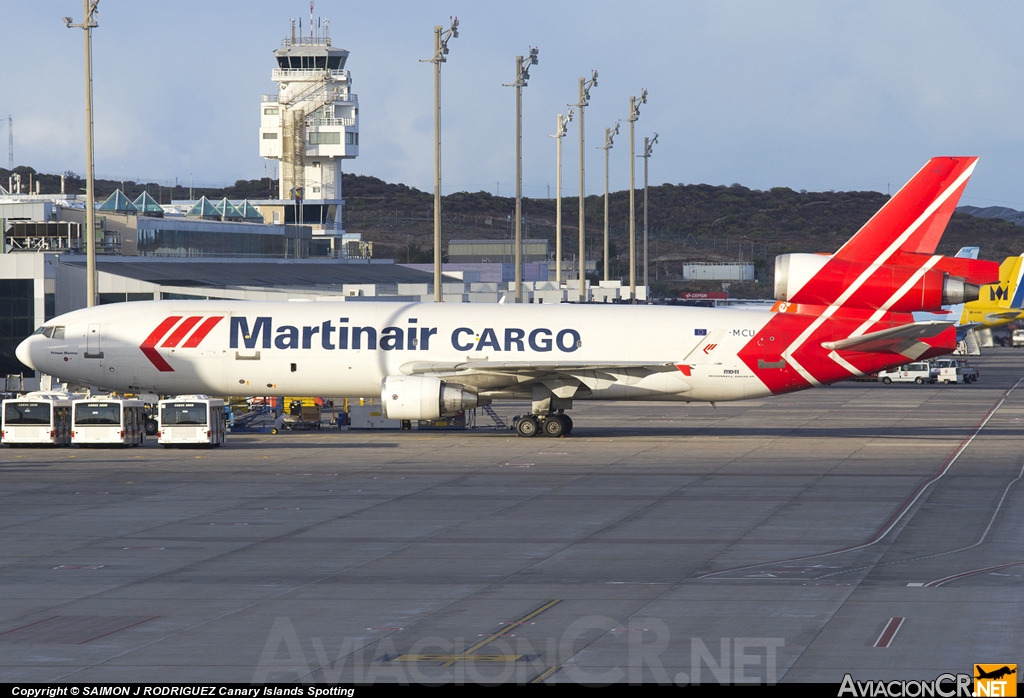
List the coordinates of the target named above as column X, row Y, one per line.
column 837, row 316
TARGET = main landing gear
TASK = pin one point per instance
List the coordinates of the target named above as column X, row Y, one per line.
column 553, row 425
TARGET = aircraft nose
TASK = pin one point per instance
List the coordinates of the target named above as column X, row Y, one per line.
column 23, row 353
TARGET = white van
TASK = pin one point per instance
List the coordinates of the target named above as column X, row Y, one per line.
column 919, row 372
column 191, row 419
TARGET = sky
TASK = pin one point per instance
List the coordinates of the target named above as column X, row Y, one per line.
column 808, row 95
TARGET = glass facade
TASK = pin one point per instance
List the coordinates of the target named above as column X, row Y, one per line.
column 17, row 321
column 107, row 298
column 160, row 242
column 165, row 296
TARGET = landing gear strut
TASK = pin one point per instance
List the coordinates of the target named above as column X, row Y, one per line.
column 553, row 425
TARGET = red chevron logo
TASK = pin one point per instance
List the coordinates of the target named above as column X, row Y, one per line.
column 181, row 330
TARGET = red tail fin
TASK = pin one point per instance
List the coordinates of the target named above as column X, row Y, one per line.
column 889, row 264
column 914, row 219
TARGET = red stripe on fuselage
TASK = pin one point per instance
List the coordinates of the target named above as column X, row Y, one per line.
column 148, row 346
column 183, row 329
column 200, row 334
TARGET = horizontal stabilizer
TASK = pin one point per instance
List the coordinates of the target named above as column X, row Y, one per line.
column 889, row 340
column 1002, row 315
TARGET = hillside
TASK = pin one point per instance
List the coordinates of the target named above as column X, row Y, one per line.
column 697, row 222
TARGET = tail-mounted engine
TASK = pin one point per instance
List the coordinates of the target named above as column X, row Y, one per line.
column 425, row 397
column 901, row 286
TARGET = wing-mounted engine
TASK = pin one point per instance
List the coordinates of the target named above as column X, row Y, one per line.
column 426, row 397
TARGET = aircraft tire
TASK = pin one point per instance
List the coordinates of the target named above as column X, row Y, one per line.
column 568, row 424
column 527, row 426
column 151, row 427
column 554, row 426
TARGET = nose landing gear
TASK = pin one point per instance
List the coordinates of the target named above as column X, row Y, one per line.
column 553, row 425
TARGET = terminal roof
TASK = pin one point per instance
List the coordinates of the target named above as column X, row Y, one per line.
column 283, row 273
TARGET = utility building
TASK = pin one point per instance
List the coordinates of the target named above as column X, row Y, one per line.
column 310, row 125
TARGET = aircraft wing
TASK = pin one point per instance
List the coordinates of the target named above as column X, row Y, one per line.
column 565, row 379
column 962, row 330
column 893, row 339
column 527, row 367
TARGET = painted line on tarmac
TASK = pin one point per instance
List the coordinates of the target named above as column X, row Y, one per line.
column 981, row 540
column 891, row 628
column 898, row 515
column 968, row 573
column 511, row 626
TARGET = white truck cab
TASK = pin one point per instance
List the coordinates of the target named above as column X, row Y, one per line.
column 950, row 370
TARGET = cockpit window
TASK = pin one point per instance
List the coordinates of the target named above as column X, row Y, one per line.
column 51, row 331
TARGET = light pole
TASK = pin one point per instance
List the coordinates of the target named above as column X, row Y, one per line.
column 648, row 146
column 634, row 114
column 88, row 22
column 560, row 131
column 584, row 100
column 609, row 137
column 522, row 75
column 440, row 56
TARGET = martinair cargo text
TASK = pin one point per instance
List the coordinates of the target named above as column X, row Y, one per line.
column 837, row 316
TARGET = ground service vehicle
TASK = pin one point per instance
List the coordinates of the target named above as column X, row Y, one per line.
column 191, row 420
column 108, row 420
column 837, row 316
column 1018, row 338
column 950, row 370
column 919, row 372
column 39, row 418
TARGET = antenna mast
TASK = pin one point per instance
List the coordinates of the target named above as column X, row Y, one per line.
column 10, row 142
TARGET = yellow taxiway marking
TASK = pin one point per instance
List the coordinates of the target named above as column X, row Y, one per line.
column 547, row 673
column 468, row 655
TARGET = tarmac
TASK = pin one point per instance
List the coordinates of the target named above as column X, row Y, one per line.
column 859, row 528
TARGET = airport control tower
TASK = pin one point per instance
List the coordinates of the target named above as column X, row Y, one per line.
column 311, row 125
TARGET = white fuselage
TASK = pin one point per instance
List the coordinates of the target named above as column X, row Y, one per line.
column 346, row 349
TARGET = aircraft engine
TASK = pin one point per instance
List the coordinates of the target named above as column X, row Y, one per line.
column 901, row 287
column 425, row 397
column 956, row 290
column 792, row 271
